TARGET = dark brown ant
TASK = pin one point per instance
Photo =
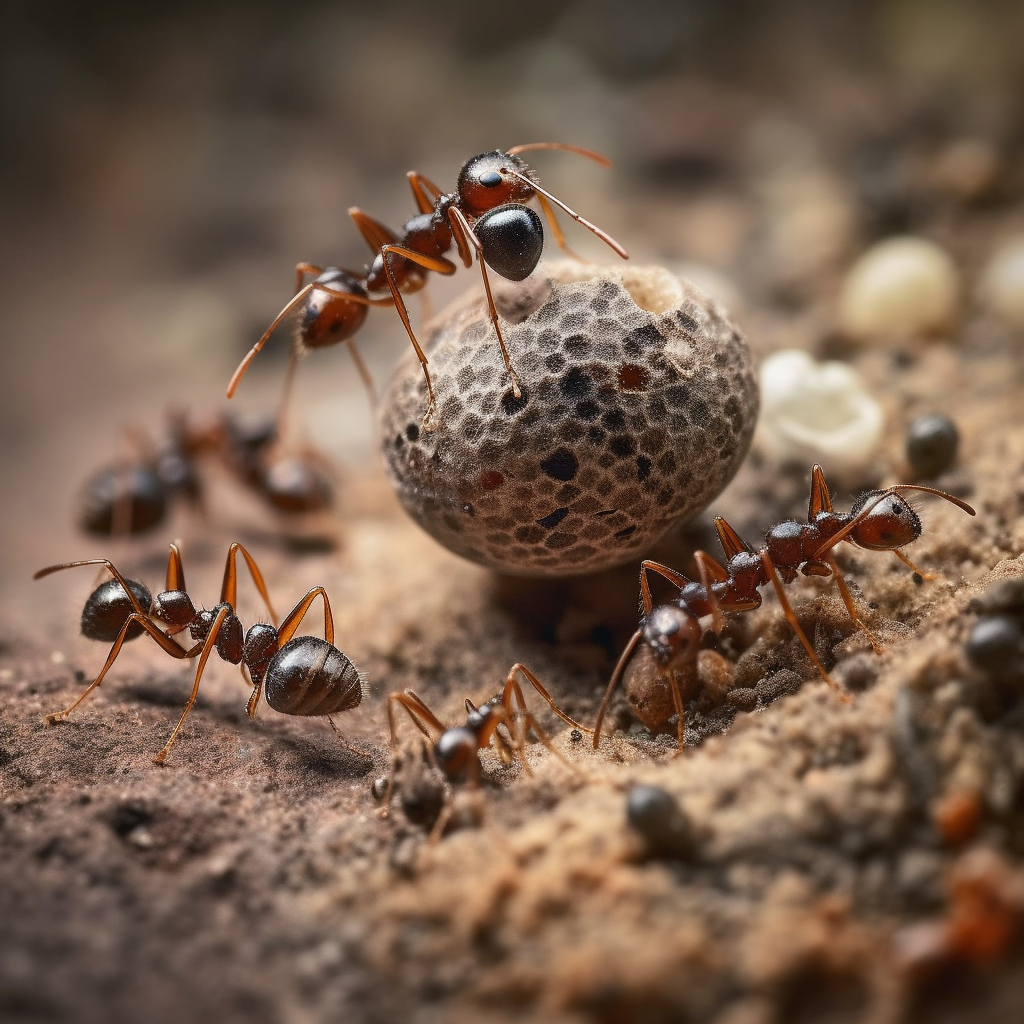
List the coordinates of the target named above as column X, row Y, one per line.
column 485, row 216
column 298, row 675
column 455, row 749
column 134, row 495
column 671, row 633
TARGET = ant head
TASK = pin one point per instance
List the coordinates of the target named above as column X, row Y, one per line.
column 885, row 521
column 672, row 633
column 455, row 751
column 490, row 180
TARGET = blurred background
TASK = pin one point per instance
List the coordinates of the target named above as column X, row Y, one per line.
column 164, row 167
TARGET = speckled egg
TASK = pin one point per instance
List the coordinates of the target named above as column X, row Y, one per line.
column 638, row 404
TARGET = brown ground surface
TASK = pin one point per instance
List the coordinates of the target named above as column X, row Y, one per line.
column 164, row 177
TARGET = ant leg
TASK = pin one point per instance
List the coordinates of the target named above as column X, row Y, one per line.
column 791, row 618
column 208, row 646
column 732, row 543
column 710, row 572
column 291, row 621
column 457, row 215
column 677, row 700
column 422, row 188
column 616, row 678
column 175, row 578
column 924, row 574
column 603, row 235
column 440, row 266
column 229, row 588
column 154, row 631
column 820, row 500
column 677, row 579
column 851, row 608
column 301, row 270
column 542, row 690
column 375, row 234
column 418, row 712
column 522, row 714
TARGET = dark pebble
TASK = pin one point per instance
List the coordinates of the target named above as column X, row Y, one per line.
column 931, row 445
column 996, row 645
column 655, row 814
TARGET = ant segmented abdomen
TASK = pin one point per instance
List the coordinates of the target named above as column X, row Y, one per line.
column 309, row 677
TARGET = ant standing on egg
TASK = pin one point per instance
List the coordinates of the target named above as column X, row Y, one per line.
column 455, row 749
column 881, row 520
column 486, row 217
column 298, row 675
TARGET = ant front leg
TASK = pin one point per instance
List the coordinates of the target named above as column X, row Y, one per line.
column 439, row 265
column 420, row 714
column 851, row 608
column 617, row 673
column 135, row 619
column 207, row 648
column 787, row 610
column 465, row 236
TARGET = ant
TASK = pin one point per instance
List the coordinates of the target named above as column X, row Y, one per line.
column 132, row 496
column 298, row 675
column 881, row 520
column 455, row 749
column 485, row 216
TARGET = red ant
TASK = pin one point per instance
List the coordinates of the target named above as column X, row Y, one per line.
column 881, row 520
column 455, row 748
column 298, row 675
column 486, row 215
column 132, row 496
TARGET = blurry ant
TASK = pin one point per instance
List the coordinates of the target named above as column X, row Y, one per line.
column 881, row 520
column 454, row 749
column 132, row 496
column 486, row 215
column 298, row 675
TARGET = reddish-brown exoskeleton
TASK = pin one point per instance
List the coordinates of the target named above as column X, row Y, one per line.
column 454, row 749
column 880, row 521
column 298, row 675
column 486, row 216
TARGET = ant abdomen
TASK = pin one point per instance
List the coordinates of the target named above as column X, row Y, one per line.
column 328, row 318
column 308, row 677
column 131, row 498
column 108, row 607
column 513, row 239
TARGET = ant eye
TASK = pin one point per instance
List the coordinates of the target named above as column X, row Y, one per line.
column 898, row 508
column 490, row 179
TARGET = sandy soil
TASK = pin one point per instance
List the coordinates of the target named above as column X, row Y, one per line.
column 856, row 861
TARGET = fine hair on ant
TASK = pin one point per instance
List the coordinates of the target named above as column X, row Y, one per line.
column 298, row 675
column 485, row 217
column 881, row 520
column 455, row 749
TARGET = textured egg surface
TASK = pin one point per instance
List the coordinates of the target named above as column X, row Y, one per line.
column 638, row 404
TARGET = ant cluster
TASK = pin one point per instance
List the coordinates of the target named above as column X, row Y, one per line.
column 134, row 495
column 486, row 218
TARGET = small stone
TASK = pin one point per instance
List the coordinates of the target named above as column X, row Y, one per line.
column 816, row 412
column 1002, row 282
column 996, row 645
column 902, row 286
column 931, row 445
column 654, row 813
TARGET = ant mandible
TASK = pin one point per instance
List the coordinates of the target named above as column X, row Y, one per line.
column 455, row 748
column 881, row 520
column 485, row 216
column 298, row 675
